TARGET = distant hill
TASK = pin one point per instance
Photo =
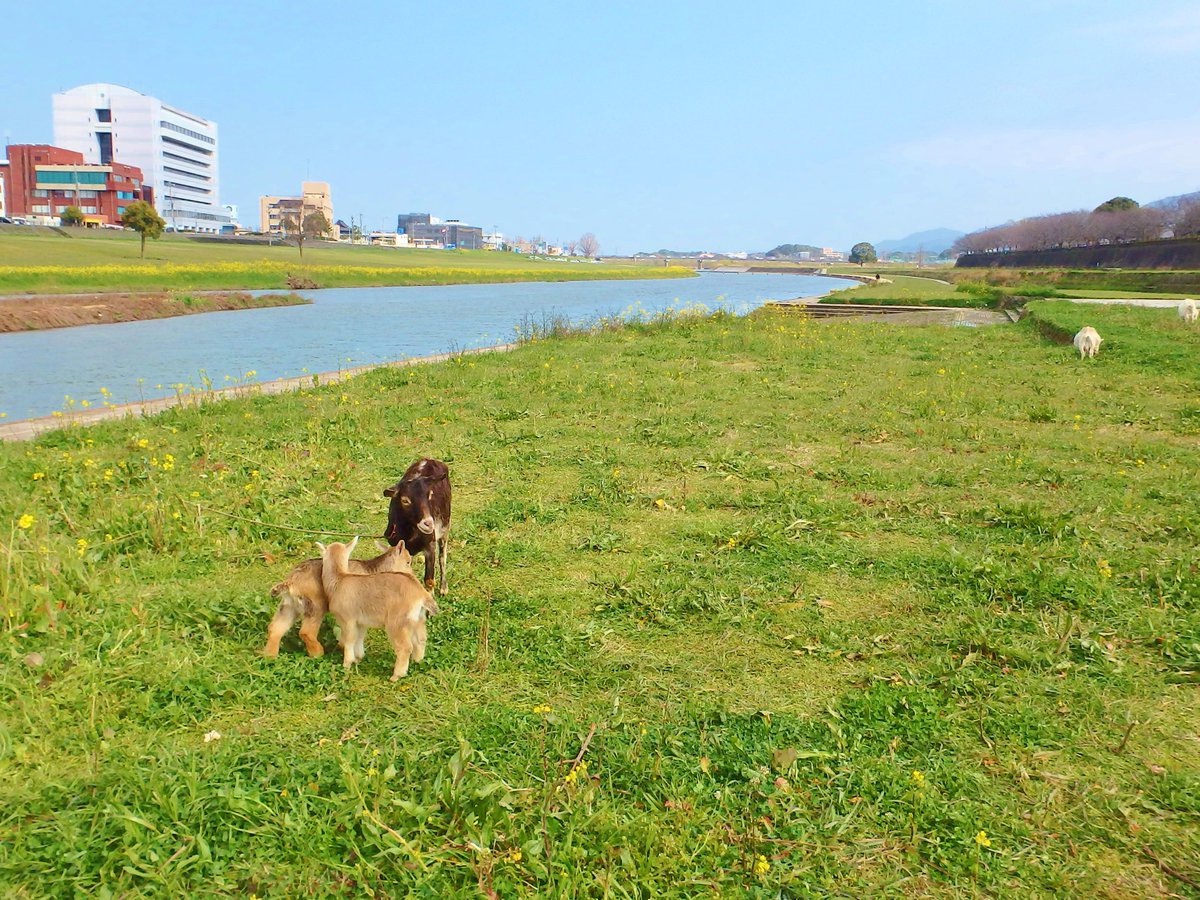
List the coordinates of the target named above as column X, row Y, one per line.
column 934, row 241
column 785, row 250
column 1178, row 198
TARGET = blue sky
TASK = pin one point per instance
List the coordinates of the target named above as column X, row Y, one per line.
column 689, row 125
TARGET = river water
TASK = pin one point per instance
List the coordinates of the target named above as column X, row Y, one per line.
column 343, row 327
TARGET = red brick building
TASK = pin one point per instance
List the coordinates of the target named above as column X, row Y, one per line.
column 40, row 182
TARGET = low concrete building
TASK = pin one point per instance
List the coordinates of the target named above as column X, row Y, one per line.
column 41, row 181
column 274, row 211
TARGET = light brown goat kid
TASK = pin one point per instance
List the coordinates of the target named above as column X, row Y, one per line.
column 302, row 595
column 394, row 601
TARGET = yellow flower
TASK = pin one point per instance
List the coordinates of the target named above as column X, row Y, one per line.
column 142, row 442
column 515, row 856
column 982, row 839
column 81, row 545
column 38, row 476
column 918, row 777
column 541, row 709
column 761, row 866
column 25, row 521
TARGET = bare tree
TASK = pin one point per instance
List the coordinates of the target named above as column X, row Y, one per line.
column 588, row 245
column 572, row 247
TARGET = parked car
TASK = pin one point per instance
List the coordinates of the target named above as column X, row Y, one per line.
column 5, row 220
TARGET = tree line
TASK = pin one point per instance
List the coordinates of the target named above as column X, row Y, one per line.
column 1119, row 220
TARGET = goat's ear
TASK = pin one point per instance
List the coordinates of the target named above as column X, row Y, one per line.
column 321, row 546
column 390, row 490
column 350, row 549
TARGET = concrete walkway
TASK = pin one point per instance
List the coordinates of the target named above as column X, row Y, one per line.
column 24, row 429
column 1153, row 302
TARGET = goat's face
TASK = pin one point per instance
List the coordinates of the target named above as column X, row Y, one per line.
column 412, row 505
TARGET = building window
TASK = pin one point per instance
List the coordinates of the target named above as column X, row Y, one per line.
column 104, row 115
column 106, row 147
column 120, row 210
column 90, row 210
column 41, row 193
column 39, row 208
column 125, row 195
column 88, row 195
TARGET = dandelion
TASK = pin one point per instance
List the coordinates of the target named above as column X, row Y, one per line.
column 541, row 709
column 38, row 476
column 81, row 546
column 143, row 443
column 515, row 856
column 25, row 522
column 1104, row 567
column 918, row 778
column 761, row 865
column 982, row 839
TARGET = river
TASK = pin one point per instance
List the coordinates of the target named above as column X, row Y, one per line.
column 62, row 368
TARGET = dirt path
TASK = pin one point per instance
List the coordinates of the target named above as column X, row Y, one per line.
column 64, row 310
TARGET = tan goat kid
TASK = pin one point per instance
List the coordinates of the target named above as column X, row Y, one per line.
column 302, row 595
column 394, row 601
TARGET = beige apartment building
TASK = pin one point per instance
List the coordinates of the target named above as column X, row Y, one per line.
column 314, row 197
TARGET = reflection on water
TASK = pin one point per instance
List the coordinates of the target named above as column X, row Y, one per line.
column 343, row 327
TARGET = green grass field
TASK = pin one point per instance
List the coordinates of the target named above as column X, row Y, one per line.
column 855, row 609
column 43, row 260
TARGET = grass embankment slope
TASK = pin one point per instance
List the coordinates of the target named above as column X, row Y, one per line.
column 42, row 260
column 62, row 311
column 856, row 609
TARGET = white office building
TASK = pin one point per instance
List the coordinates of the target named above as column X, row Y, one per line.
column 176, row 151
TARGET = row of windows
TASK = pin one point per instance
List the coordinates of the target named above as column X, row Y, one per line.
column 171, row 126
column 186, row 187
column 70, row 177
column 191, row 162
column 125, row 195
column 186, row 173
column 186, row 146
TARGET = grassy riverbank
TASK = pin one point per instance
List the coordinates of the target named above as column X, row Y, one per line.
column 854, row 609
column 43, row 260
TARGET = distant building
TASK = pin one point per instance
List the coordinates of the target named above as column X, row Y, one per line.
column 40, row 181
column 176, row 150
column 273, row 212
column 406, row 221
column 389, row 239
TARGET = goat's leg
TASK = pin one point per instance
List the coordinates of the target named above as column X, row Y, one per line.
column 309, row 628
column 285, row 615
column 348, row 641
column 431, row 554
column 360, row 640
column 443, row 543
column 419, row 637
column 402, row 641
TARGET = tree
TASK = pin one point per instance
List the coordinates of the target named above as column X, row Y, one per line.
column 1117, row 204
column 588, row 245
column 312, row 225
column 862, row 252
column 316, row 225
column 72, row 215
column 145, row 220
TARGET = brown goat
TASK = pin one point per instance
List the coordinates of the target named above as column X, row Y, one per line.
column 394, row 601
column 419, row 515
column 302, row 595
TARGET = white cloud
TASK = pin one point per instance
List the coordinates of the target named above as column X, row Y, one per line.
column 1169, row 149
